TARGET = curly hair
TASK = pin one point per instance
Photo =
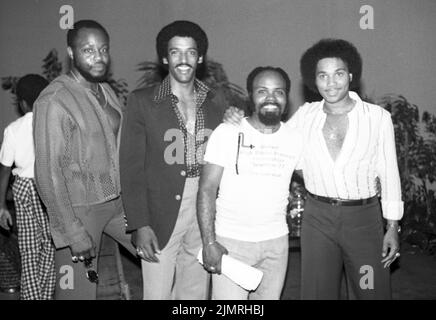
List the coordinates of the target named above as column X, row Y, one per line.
column 83, row 24
column 181, row 28
column 330, row 48
column 250, row 79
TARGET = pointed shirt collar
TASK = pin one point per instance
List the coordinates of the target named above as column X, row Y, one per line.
column 164, row 90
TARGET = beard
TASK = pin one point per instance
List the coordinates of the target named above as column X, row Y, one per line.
column 89, row 76
column 270, row 118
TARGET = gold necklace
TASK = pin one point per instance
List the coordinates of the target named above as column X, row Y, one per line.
column 333, row 132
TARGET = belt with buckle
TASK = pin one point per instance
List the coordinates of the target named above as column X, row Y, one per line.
column 344, row 202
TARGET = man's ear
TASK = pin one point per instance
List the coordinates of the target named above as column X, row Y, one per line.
column 200, row 59
column 70, row 53
column 165, row 60
column 351, row 77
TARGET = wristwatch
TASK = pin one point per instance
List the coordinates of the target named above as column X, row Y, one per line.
column 393, row 225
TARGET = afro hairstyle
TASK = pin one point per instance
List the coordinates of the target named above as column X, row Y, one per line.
column 330, row 48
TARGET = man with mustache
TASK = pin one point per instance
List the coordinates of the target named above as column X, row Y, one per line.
column 251, row 165
column 77, row 124
column 162, row 148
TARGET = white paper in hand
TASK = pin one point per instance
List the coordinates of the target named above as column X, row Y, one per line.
column 239, row 272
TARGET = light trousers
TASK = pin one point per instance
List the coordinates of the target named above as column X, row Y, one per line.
column 269, row 256
column 178, row 274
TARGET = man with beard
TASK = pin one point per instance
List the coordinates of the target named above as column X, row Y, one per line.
column 77, row 124
column 251, row 165
column 161, row 153
column 349, row 145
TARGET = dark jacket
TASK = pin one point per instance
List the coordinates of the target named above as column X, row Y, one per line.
column 152, row 188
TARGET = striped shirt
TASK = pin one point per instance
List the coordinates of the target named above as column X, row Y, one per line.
column 368, row 153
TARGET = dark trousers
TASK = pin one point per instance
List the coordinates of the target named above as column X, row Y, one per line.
column 337, row 238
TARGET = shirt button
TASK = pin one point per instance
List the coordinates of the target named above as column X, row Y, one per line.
column 178, row 197
column 183, row 173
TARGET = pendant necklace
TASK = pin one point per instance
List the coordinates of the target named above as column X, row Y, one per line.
column 333, row 132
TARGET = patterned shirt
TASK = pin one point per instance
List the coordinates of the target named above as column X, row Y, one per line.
column 368, row 153
column 193, row 143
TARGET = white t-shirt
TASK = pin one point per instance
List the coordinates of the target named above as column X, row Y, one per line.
column 254, row 188
column 18, row 147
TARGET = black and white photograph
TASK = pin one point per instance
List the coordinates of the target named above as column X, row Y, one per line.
column 217, row 154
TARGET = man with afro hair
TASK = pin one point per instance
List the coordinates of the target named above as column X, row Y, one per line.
column 349, row 151
column 163, row 141
column 349, row 146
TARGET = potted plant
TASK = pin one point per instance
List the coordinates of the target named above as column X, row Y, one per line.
column 415, row 140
